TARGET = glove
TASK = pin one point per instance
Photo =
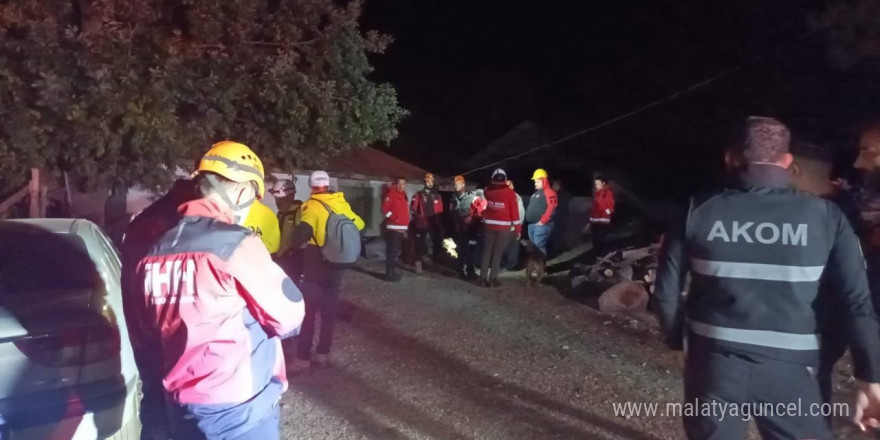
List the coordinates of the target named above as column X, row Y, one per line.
column 608, row 211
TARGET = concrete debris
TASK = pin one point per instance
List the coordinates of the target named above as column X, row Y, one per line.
column 639, row 265
column 624, row 297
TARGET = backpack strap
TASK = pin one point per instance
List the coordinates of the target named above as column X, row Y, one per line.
column 329, row 212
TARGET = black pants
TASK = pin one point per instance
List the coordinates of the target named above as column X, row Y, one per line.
column 732, row 379
column 434, row 230
column 321, row 296
column 494, row 244
column 393, row 247
column 466, row 246
column 599, row 233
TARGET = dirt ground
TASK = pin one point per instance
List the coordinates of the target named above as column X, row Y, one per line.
column 437, row 358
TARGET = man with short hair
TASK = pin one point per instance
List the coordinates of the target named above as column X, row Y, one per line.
column 466, row 210
column 320, row 280
column 756, row 253
column 395, row 209
column 217, row 307
column 427, row 215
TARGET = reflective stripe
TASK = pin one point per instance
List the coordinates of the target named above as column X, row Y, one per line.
column 498, row 222
column 754, row 271
column 764, row 338
column 517, row 222
column 600, row 220
column 398, row 228
column 388, row 215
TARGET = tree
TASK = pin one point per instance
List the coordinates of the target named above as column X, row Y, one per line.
column 120, row 91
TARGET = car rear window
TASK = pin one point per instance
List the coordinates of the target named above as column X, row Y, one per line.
column 33, row 260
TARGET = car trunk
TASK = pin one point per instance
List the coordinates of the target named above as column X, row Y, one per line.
column 56, row 332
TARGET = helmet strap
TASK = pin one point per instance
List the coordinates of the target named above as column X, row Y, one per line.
column 215, row 183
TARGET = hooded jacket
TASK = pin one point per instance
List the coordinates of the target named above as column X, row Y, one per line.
column 220, row 306
column 542, row 206
column 603, row 206
column 395, row 209
column 502, row 212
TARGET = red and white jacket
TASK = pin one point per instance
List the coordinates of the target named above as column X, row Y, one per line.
column 502, row 210
column 219, row 307
column 395, row 208
column 603, row 206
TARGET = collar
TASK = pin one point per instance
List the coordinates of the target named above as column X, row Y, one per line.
column 206, row 208
column 771, row 176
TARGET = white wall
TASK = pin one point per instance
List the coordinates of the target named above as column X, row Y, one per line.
column 140, row 198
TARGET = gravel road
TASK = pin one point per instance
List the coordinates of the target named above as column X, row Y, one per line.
column 437, row 358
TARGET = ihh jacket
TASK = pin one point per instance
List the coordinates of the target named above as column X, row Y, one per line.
column 396, row 210
column 219, row 307
column 603, row 206
column 502, row 212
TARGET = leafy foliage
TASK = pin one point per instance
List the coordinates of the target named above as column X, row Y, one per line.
column 119, row 91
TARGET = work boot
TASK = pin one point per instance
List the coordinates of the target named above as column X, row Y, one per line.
column 418, row 267
column 321, row 360
column 484, row 283
column 393, row 277
column 496, row 283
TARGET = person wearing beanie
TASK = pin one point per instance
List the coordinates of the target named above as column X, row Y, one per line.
column 502, row 224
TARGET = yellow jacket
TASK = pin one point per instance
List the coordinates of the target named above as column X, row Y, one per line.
column 315, row 215
column 262, row 220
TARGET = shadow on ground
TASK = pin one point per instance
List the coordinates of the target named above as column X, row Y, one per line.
column 374, row 411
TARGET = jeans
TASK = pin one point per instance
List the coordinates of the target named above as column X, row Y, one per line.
column 320, row 296
column 540, row 235
column 494, row 244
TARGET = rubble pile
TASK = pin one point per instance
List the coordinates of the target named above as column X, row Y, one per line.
column 639, row 265
column 632, row 273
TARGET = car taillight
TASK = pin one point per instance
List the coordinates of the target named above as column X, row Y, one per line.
column 73, row 346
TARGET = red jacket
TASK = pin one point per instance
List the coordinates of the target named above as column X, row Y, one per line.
column 603, row 206
column 396, row 210
column 220, row 306
column 502, row 210
column 426, row 204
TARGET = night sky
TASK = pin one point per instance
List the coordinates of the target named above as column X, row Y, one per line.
column 469, row 71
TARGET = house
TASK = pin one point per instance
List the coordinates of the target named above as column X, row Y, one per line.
column 362, row 174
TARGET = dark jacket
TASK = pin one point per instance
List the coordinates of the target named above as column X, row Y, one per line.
column 756, row 253
column 542, row 206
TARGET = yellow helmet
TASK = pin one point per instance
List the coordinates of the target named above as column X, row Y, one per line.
column 540, row 173
column 235, row 162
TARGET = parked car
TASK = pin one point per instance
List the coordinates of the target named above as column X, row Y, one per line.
column 68, row 370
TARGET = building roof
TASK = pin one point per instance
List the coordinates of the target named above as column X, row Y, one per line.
column 372, row 163
column 522, row 138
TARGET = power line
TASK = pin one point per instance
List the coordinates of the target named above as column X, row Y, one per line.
column 661, row 101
